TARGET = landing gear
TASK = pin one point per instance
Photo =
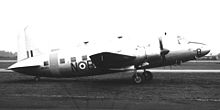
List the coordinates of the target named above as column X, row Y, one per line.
column 37, row 78
column 138, row 78
column 148, row 75
column 141, row 77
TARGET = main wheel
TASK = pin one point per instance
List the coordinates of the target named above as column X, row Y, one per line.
column 148, row 75
column 138, row 78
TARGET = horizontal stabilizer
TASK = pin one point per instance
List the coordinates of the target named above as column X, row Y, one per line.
column 26, row 63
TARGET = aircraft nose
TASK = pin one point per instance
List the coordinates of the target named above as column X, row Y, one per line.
column 201, row 52
column 204, row 52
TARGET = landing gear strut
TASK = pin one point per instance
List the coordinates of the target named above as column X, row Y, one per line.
column 148, row 75
column 141, row 77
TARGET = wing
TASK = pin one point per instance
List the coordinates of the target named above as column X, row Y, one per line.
column 112, row 60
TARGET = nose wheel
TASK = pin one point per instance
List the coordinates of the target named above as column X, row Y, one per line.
column 139, row 78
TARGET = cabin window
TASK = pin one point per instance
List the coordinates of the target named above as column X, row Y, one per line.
column 46, row 63
column 27, row 54
column 62, row 60
column 32, row 53
column 73, row 59
column 84, row 57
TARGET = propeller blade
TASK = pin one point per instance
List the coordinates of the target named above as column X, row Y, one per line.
column 163, row 51
column 161, row 44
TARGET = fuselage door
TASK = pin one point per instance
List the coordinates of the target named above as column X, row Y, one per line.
column 54, row 67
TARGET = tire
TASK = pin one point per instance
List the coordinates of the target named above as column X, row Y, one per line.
column 148, row 75
column 138, row 78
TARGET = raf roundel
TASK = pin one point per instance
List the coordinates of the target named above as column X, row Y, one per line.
column 82, row 65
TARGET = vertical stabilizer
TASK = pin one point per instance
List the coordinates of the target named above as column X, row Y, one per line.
column 26, row 48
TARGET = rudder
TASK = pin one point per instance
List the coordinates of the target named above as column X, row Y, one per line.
column 26, row 47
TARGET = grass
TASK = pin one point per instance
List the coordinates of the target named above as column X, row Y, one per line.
column 5, row 64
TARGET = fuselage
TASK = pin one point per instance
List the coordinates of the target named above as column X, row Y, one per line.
column 70, row 64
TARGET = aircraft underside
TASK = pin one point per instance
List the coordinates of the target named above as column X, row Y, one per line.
column 138, row 77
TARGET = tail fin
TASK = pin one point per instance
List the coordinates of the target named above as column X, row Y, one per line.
column 26, row 47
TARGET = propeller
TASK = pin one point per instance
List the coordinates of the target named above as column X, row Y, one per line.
column 163, row 51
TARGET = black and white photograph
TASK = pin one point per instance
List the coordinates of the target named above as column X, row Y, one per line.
column 109, row 55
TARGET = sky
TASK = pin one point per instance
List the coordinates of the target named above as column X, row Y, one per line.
column 60, row 23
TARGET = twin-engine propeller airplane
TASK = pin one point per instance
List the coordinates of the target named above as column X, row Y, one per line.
column 75, row 63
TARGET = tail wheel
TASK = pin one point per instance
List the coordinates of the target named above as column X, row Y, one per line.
column 138, row 78
column 148, row 75
column 36, row 78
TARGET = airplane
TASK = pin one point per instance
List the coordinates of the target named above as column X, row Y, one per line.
column 78, row 62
